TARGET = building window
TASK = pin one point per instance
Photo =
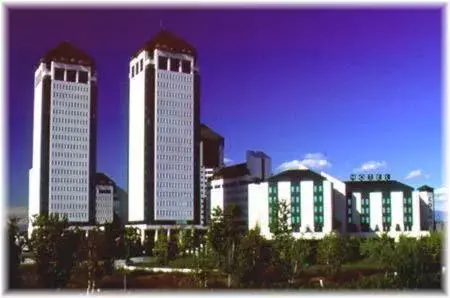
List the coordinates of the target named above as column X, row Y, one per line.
column 175, row 64
column 132, row 71
column 141, row 64
column 71, row 75
column 186, row 66
column 82, row 77
column 59, row 74
column 162, row 62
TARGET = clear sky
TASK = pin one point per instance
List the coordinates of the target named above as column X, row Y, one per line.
column 334, row 89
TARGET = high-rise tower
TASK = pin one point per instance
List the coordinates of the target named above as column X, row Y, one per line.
column 62, row 177
column 163, row 167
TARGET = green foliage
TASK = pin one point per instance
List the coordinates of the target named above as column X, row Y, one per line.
column 54, row 247
column 378, row 250
column 224, row 235
column 253, row 259
column 173, row 249
column 411, row 262
column 161, row 250
column 331, row 252
column 132, row 242
column 204, row 264
column 15, row 249
column 352, row 248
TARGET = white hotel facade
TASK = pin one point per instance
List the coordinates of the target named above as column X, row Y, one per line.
column 62, row 177
column 163, row 166
column 320, row 204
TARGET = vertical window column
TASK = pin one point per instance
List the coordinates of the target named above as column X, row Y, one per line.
column 273, row 204
column 295, row 206
column 318, row 206
column 365, row 212
column 387, row 215
column 349, row 198
column 407, row 210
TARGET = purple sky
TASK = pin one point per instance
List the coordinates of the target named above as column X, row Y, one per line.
column 334, row 88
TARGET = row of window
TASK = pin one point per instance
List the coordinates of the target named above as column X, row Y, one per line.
column 175, row 166
column 175, row 86
column 69, row 172
column 173, row 185
column 178, row 122
column 173, row 194
column 177, row 158
column 171, row 203
column 63, row 197
column 56, row 145
column 318, row 218
column 174, row 113
column 232, row 184
column 71, row 138
column 137, row 68
column 81, row 98
column 386, row 200
column 71, row 163
column 105, row 191
column 295, row 188
column 70, row 87
column 162, row 148
column 71, row 129
column 174, row 140
column 318, row 187
column 65, row 120
column 67, row 180
column 71, row 215
column 76, row 113
column 175, row 130
column 171, row 76
column 175, row 104
column 70, row 75
column 69, row 188
column 173, row 213
column 183, row 98
column 72, row 206
column 318, row 199
column 174, row 64
column 69, row 154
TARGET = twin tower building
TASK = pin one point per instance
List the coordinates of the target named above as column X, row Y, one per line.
column 164, row 163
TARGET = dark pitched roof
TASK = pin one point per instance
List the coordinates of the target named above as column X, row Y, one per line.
column 376, row 186
column 169, row 42
column 101, row 178
column 230, row 172
column 68, row 53
column 296, row 175
column 206, row 133
column 425, row 188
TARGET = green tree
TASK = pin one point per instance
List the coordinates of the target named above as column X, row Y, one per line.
column 331, row 252
column 252, row 260
column 204, row 265
column 186, row 241
column 378, row 250
column 94, row 247
column 15, row 250
column 132, row 242
column 54, row 247
column 411, row 262
column 161, row 250
column 301, row 251
column 224, row 234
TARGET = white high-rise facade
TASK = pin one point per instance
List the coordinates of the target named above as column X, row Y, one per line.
column 163, row 167
column 61, row 179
